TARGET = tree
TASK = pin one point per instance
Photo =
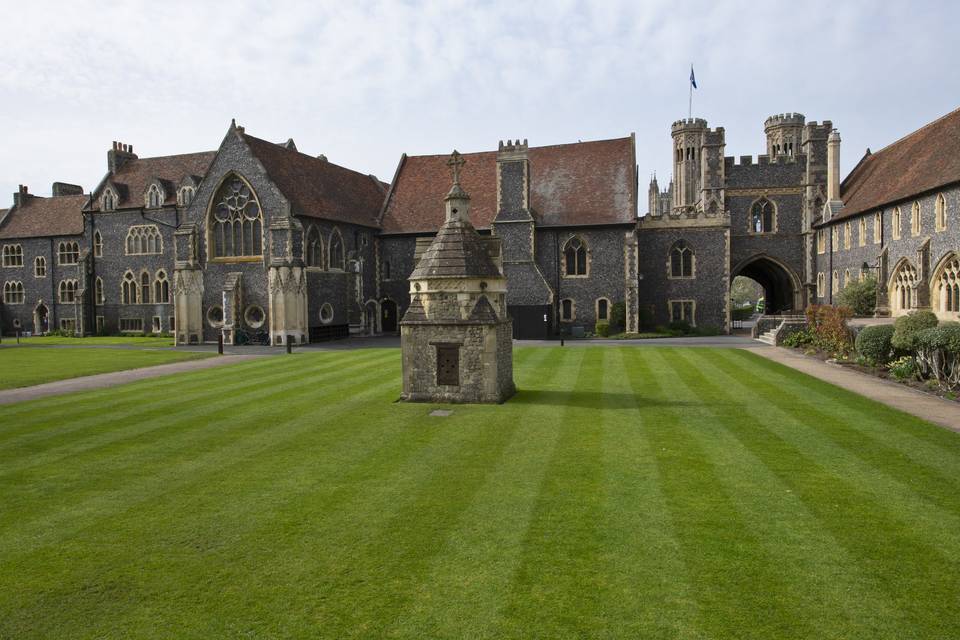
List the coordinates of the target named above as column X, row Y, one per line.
column 744, row 292
column 860, row 296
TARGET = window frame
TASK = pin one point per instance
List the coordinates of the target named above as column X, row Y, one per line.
column 12, row 255
column 40, row 267
column 581, row 261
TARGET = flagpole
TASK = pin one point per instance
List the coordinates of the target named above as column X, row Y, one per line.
column 690, row 103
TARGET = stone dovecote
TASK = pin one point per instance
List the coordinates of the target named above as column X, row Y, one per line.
column 456, row 335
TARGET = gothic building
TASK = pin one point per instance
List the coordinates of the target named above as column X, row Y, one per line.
column 257, row 242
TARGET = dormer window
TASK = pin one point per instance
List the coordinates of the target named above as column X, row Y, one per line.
column 185, row 196
column 154, row 197
column 108, row 202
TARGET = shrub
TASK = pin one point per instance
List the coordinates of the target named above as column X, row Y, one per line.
column 860, row 296
column 679, row 326
column 873, row 343
column 707, row 330
column 938, row 354
column 799, row 339
column 906, row 327
column 903, row 368
column 602, row 329
column 828, row 325
column 618, row 317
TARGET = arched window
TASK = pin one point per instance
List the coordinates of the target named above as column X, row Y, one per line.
column 603, row 310
column 68, row 253
column 821, row 241
column 835, row 238
column 575, row 257
column 12, row 255
column 129, row 293
column 145, row 288
column 904, row 280
column 108, row 202
column 821, row 285
column 314, row 248
column 941, row 211
column 68, row 291
column 97, row 244
column 915, row 219
column 154, row 197
column 877, row 228
column 236, row 223
column 846, row 277
column 947, row 287
column 863, row 232
column 847, row 233
column 681, row 260
column 336, row 250
column 161, row 288
column 897, row 223
column 39, row 267
column 185, row 196
column 762, row 216
column 144, row 239
column 98, row 290
column 13, row 292
column 566, row 310
column 836, row 282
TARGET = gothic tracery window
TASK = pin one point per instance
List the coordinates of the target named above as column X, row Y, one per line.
column 161, row 287
column 762, row 218
column 97, row 244
column 129, row 293
column 12, row 255
column 681, row 260
column 98, row 290
column 144, row 239
column 39, row 267
column 68, row 291
column 575, row 257
column 236, row 223
column 13, row 292
column 68, row 253
column 336, row 251
column 314, row 248
column 948, row 285
column 108, row 201
column 904, row 282
column 145, row 288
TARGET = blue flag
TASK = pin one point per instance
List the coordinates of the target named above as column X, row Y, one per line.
column 693, row 78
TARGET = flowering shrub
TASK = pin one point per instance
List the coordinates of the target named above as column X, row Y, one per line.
column 903, row 368
column 828, row 324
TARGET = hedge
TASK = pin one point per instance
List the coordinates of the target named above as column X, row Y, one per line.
column 874, row 343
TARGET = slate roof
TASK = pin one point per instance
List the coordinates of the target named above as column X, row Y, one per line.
column 134, row 176
column 582, row 183
column 457, row 251
column 42, row 217
column 318, row 188
column 923, row 160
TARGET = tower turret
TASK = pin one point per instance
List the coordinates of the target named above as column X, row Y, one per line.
column 784, row 134
column 687, row 137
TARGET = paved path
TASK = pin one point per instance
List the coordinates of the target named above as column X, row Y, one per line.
column 114, row 378
column 936, row 410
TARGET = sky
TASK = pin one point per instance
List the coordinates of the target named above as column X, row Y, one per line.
column 364, row 82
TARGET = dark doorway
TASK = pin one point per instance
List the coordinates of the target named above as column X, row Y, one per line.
column 40, row 319
column 780, row 286
column 388, row 316
column 531, row 322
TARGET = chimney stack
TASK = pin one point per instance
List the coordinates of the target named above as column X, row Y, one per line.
column 20, row 197
column 833, row 166
column 119, row 155
column 66, row 189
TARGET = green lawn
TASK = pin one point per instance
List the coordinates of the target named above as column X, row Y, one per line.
column 24, row 365
column 146, row 341
column 626, row 492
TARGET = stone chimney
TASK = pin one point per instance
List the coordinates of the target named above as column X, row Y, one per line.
column 833, row 166
column 20, row 197
column 66, row 189
column 119, row 155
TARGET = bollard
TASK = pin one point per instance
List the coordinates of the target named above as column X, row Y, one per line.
column 289, row 344
column 18, row 336
column 220, row 343
column 561, row 341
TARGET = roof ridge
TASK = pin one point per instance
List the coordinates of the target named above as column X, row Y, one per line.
column 530, row 148
column 916, row 131
column 307, row 155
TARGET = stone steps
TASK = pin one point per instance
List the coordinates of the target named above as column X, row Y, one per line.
column 767, row 337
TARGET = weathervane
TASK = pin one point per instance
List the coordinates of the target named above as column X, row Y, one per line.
column 455, row 162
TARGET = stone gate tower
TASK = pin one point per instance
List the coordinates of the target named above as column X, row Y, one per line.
column 456, row 336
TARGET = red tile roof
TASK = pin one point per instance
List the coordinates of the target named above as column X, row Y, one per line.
column 925, row 159
column 582, row 183
column 135, row 175
column 39, row 217
column 318, row 188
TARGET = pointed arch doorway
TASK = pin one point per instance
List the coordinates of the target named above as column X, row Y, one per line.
column 41, row 319
column 781, row 286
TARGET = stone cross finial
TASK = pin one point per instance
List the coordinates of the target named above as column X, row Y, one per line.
column 455, row 162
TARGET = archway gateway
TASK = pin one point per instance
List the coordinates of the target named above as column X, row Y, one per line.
column 781, row 287
column 41, row 322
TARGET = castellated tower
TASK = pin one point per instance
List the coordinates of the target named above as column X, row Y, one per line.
column 784, row 134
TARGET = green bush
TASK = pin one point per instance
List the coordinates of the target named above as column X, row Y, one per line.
column 906, row 327
column 707, row 330
column 618, row 317
column 679, row 326
column 874, row 343
column 799, row 339
column 938, row 354
column 602, row 329
column 860, row 296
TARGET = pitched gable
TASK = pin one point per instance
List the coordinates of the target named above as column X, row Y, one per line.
column 132, row 179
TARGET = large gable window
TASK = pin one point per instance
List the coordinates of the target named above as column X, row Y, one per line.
column 314, row 255
column 762, row 216
column 236, row 223
column 575, row 257
column 68, row 253
column 108, row 201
